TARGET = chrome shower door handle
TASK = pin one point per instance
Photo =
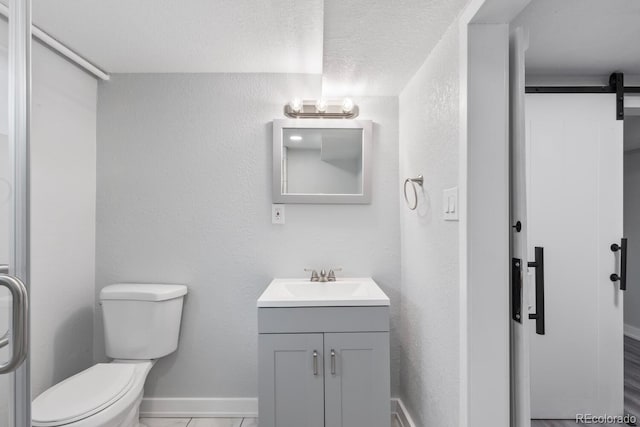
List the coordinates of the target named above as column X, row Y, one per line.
column 19, row 324
column 4, row 341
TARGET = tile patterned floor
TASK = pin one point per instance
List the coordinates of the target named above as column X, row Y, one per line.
column 212, row 422
column 199, row 422
column 631, row 387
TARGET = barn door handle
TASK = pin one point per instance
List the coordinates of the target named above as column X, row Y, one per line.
column 538, row 264
column 622, row 278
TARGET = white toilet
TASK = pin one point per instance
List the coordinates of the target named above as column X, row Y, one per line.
column 141, row 324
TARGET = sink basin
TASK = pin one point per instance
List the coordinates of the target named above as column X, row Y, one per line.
column 341, row 293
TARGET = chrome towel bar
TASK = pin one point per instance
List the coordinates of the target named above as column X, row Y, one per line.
column 413, row 181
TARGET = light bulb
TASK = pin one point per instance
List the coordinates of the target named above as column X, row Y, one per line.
column 296, row 105
column 295, row 138
column 321, row 105
column 347, row 105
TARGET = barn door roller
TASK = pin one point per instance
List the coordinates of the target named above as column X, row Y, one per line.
column 616, row 85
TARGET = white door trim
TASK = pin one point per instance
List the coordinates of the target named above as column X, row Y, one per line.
column 484, row 239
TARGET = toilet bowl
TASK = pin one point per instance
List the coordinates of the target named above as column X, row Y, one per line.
column 142, row 324
column 105, row 395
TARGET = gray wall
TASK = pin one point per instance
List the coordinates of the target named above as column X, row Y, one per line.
column 63, row 200
column 429, row 126
column 184, row 196
column 632, row 232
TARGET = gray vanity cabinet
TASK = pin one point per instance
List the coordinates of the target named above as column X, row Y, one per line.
column 291, row 367
column 324, row 367
column 356, row 382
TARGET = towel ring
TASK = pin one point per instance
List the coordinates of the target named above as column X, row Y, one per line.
column 418, row 180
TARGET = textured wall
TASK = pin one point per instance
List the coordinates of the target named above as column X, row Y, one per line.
column 429, row 364
column 632, row 232
column 184, row 195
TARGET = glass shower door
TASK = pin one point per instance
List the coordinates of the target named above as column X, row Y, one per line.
column 15, row 56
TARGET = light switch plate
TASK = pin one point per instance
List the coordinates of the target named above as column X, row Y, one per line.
column 450, row 204
column 277, row 214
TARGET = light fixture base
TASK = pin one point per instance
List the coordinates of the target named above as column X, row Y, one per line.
column 309, row 110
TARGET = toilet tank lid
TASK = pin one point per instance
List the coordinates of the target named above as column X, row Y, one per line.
column 142, row 292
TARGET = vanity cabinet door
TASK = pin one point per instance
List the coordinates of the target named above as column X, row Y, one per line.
column 291, row 380
column 357, row 379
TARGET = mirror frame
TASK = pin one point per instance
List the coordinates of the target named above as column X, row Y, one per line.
column 367, row 141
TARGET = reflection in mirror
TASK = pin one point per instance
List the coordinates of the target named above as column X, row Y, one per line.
column 321, row 161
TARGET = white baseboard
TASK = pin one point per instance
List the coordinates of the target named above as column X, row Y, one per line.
column 632, row 331
column 401, row 413
column 163, row 407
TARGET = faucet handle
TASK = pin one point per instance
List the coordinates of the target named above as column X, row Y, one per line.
column 332, row 274
column 314, row 274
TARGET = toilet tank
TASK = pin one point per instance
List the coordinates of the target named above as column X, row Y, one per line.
column 141, row 321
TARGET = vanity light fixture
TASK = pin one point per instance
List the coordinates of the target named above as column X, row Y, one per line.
column 321, row 105
column 321, row 109
column 295, row 105
column 347, row 105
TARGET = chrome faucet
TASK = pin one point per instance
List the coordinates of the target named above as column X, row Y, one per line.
column 314, row 275
column 323, row 276
column 331, row 277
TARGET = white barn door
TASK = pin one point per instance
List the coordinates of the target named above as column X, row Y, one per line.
column 574, row 150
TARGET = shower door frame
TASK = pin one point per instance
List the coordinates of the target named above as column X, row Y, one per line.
column 19, row 85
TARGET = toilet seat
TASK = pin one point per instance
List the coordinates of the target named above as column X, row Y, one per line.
column 83, row 395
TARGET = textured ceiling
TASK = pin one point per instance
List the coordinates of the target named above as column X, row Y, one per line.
column 582, row 37
column 362, row 47
column 189, row 35
column 374, row 47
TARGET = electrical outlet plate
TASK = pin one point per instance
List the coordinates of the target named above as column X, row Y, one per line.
column 450, row 204
column 277, row 214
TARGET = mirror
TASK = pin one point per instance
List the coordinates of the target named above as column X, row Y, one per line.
column 321, row 161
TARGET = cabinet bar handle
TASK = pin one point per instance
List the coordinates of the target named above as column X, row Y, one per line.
column 315, row 362
column 333, row 362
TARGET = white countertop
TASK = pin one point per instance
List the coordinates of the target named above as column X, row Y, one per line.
column 344, row 292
